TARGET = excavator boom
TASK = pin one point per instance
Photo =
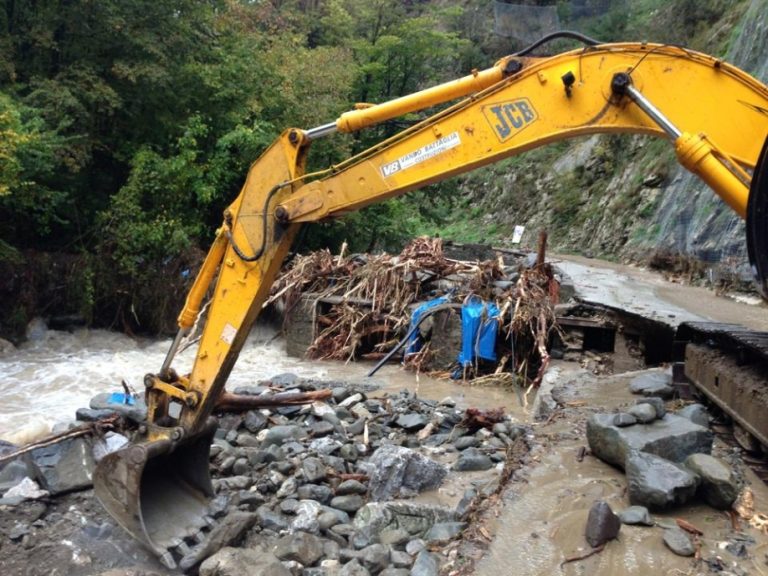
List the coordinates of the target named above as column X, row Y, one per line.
column 715, row 116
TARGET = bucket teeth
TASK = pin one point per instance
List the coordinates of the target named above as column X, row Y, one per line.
column 167, row 560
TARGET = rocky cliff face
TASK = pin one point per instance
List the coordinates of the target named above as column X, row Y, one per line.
column 627, row 197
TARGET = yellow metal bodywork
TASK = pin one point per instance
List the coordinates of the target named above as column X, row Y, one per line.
column 700, row 94
column 239, row 291
column 721, row 111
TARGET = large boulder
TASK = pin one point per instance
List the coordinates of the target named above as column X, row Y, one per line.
column 398, row 471
column 132, row 408
column 64, row 466
column 672, row 437
column 653, row 384
column 302, row 547
column 719, row 485
column 658, row 483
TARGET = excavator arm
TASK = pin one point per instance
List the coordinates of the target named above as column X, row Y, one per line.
column 714, row 114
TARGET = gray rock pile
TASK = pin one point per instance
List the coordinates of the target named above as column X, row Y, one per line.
column 319, row 489
column 665, row 456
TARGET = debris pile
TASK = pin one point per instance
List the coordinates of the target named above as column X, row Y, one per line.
column 371, row 300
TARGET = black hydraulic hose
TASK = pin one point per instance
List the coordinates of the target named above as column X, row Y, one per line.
column 407, row 337
column 573, row 35
column 265, row 227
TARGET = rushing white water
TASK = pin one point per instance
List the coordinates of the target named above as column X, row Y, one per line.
column 46, row 380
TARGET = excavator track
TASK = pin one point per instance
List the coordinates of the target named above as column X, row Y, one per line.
column 728, row 363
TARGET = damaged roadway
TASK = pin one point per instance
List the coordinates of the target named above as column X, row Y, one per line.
column 512, row 497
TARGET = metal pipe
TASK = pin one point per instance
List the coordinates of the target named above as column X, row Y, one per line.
column 646, row 106
column 172, row 350
column 321, row 131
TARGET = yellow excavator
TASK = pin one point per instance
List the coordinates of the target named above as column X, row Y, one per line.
column 715, row 115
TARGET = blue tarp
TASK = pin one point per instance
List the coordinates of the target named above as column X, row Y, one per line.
column 478, row 316
column 121, row 398
column 415, row 343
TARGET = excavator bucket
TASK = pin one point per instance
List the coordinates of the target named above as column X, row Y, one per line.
column 757, row 222
column 160, row 491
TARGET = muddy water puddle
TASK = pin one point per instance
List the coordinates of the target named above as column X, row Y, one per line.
column 543, row 518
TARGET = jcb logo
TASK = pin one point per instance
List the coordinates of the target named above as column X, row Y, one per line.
column 509, row 118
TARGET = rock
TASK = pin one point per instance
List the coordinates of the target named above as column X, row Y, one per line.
column 622, row 419
column 136, row 410
column 425, row 565
column 635, row 515
column 248, row 440
column 286, row 380
column 416, row 519
column 340, row 393
column 644, row 413
column 288, row 487
column 349, row 453
column 232, row 483
column 351, row 400
column 673, row 438
column 64, row 466
column 658, row 483
column 6, row 347
column 400, row 559
column 325, row 446
column 357, row 427
column 255, row 421
column 240, row 466
column 464, row 442
column 322, row 494
column 321, row 428
column 306, row 516
column 13, row 472
column 602, row 524
column 394, row 469
column 271, row 520
column 314, row 469
column 91, row 415
column 412, row 421
column 415, row 546
column 656, row 402
column 26, row 489
column 360, row 411
column 719, row 485
column 392, row 571
column 301, row 547
column 395, row 537
column 696, row 413
column 351, row 487
column 348, row 503
column 653, row 384
column 37, row 330
column 678, row 541
column 111, row 442
column 327, row 520
column 278, row 435
column 471, row 460
column 374, row 558
column 444, row 531
column 353, row 568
